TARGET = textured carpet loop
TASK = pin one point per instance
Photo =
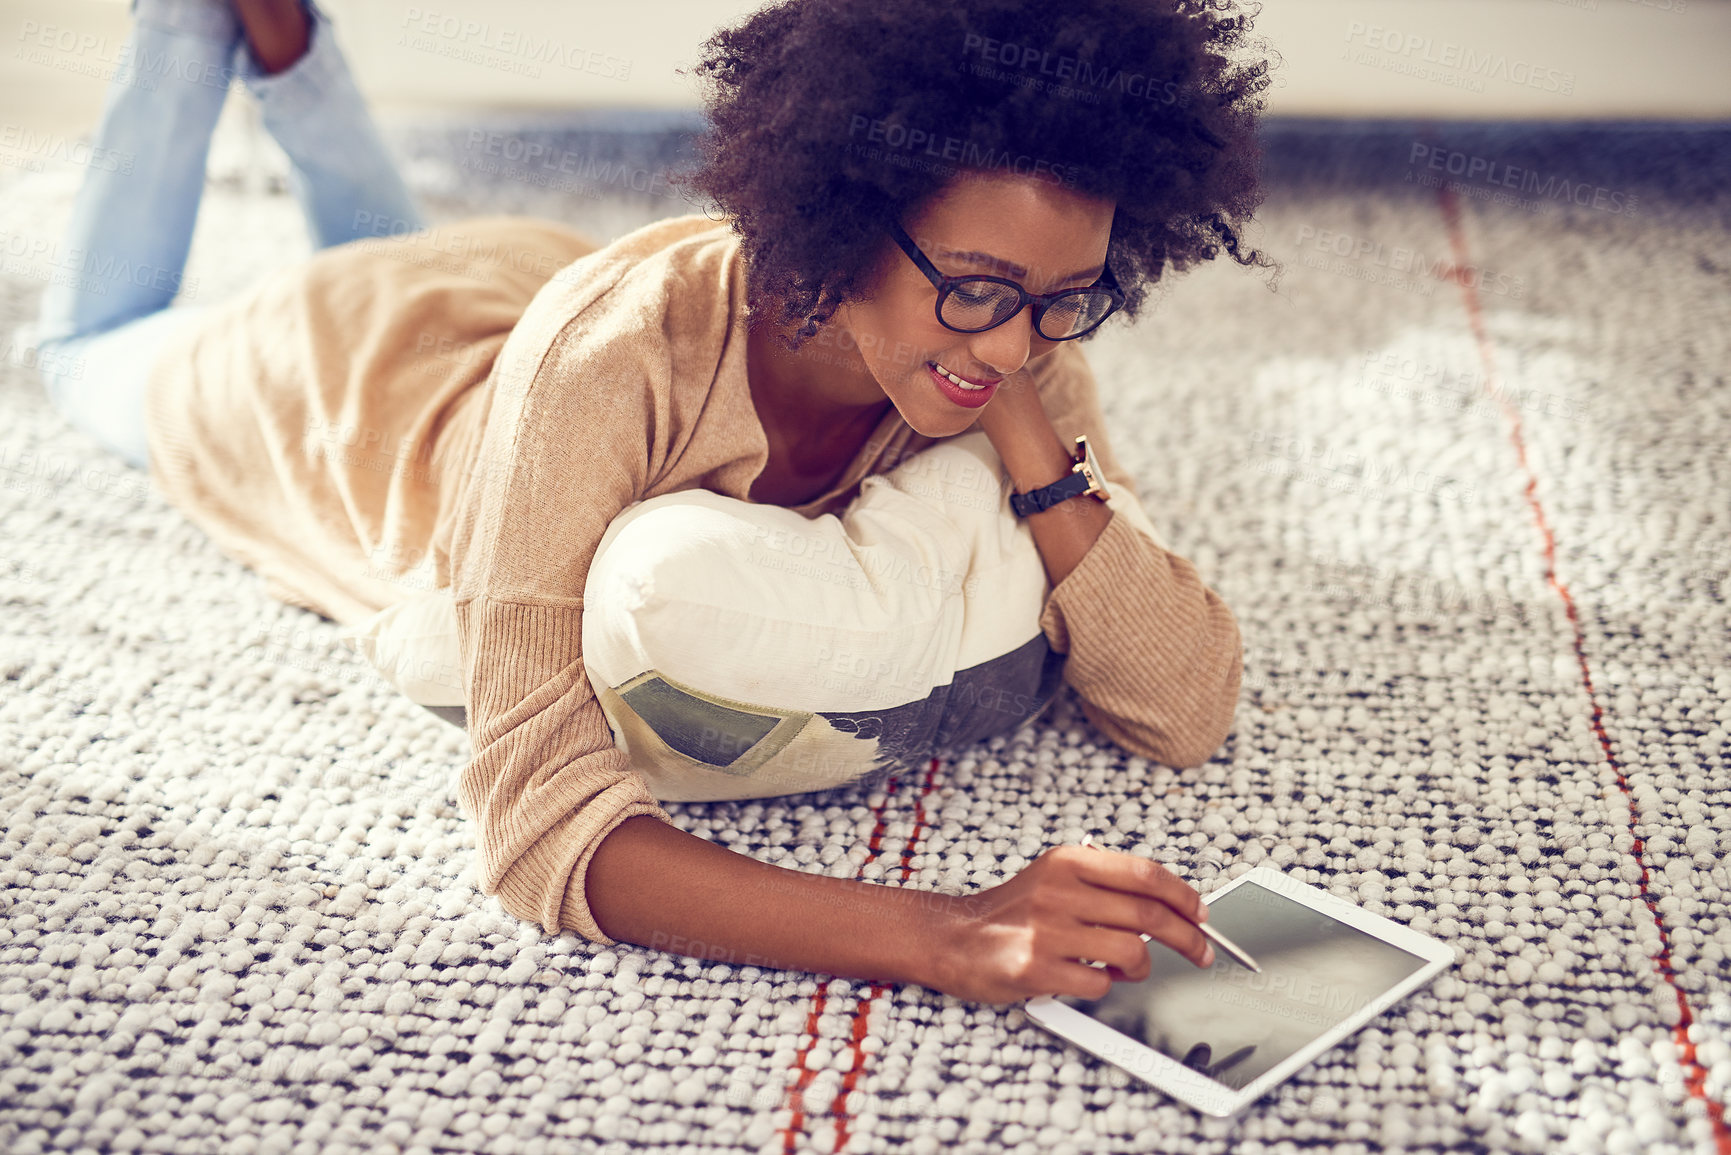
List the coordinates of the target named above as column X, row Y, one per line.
column 1477, row 546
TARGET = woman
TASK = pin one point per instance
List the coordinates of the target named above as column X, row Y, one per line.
column 471, row 405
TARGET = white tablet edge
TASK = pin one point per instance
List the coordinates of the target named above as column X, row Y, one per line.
column 1212, row 1098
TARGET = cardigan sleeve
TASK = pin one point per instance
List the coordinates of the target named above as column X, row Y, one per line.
column 570, row 441
column 1154, row 654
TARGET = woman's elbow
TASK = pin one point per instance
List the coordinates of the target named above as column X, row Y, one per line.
column 1197, row 749
column 1182, row 747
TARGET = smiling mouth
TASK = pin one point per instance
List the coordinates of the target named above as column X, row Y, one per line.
column 962, row 382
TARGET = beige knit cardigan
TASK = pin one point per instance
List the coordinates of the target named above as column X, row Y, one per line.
column 470, row 407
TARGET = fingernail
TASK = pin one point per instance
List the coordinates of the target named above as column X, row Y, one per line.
column 1208, row 956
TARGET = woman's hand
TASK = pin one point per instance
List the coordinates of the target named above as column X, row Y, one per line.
column 1014, row 420
column 1022, row 938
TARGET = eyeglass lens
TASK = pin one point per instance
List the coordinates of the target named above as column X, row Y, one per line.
column 973, row 306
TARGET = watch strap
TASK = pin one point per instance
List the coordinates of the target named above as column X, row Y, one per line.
column 1073, row 484
column 1037, row 500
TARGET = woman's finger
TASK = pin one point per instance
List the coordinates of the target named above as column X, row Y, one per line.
column 1117, row 948
column 1115, row 871
column 1147, row 916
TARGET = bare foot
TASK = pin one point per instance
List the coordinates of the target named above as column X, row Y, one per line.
column 276, row 31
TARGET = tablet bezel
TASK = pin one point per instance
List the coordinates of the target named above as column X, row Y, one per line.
column 1199, row 1091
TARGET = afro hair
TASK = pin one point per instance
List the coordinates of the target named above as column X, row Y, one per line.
column 827, row 119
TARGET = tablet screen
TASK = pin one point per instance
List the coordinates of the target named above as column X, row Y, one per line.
column 1232, row 1024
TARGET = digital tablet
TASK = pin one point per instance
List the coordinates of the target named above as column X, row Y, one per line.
column 1221, row 1038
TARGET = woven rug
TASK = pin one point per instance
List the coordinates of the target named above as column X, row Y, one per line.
column 1462, row 476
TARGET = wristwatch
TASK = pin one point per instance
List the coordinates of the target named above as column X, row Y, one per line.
column 1085, row 479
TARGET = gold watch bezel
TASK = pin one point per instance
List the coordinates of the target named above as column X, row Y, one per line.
column 1089, row 467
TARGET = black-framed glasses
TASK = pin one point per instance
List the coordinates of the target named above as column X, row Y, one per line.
column 973, row 304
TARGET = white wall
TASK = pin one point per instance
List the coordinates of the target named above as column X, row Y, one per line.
column 1564, row 59
column 1510, row 58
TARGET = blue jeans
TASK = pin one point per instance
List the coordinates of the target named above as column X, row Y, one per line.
column 100, row 329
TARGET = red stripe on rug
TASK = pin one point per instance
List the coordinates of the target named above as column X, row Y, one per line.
column 862, row 1013
column 1694, row 1074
